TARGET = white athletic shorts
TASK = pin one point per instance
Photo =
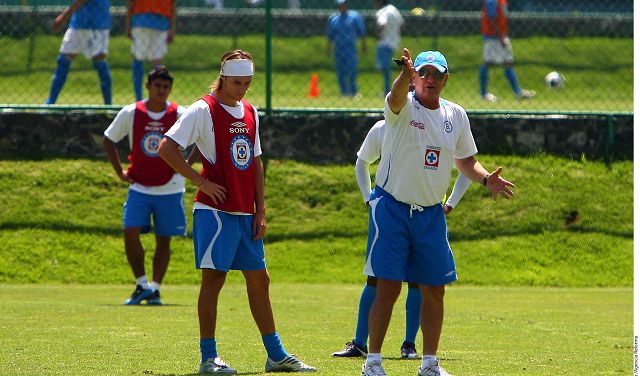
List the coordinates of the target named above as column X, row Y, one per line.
column 89, row 42
column 148, row 44
column 496, row 53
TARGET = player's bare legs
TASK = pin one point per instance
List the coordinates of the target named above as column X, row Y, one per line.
column 380, row 314
column 212, row 282
column 161, row 257
column 431, row 317
column 133, row 249
column 258, row 292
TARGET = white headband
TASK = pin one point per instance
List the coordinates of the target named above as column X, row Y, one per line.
column 237, row 67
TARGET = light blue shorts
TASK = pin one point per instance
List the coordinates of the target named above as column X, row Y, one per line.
column 167, row 212
column 408, row 244
column 224, row 242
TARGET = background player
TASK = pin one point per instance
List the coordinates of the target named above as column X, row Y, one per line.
column 155, row 190
column 151, row 25
column 497, row 49
column 88, row 33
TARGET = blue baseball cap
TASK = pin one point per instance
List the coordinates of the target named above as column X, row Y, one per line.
column 434, row 58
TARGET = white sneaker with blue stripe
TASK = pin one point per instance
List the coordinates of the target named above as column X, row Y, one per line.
column 289, row 364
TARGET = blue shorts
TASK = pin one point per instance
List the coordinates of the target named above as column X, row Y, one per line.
column 167, row 211
column 384, row 55
column 408, row 243
column 224, row 241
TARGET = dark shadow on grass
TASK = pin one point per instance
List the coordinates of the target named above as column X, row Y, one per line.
column 66, row 227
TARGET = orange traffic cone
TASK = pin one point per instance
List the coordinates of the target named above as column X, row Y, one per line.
column 314, row 89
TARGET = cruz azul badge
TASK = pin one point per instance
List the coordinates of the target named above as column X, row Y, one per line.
column 241, row 152
column 150, row 143
column 431, row 158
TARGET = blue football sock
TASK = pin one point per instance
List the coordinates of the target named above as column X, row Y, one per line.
column 510, row 73
column 275, row 350
column 484, row 79
column 412, row 307
column 59, row 77
column 208, row 348
column 137, row 70
column 105, row 79
column 362, row 328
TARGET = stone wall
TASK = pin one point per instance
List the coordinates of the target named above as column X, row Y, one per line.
column 325, row 138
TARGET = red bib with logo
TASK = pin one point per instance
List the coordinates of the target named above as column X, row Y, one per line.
column 234, row 168
column 147, row 168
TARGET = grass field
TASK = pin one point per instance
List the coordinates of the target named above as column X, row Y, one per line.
column 60, row 221
column 83, row 330
column 194, row 61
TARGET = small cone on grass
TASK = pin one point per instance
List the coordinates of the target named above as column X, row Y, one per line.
column 314, row 89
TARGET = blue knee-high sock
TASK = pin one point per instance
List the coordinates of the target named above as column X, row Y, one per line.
column 59, row 77
column 137, row 71
column 105, row 79
column 510, row 73
column 412, row 306
column 386, row 74
column 484, row 79
column 208, row 348
column 362, row 328
column 275, row 350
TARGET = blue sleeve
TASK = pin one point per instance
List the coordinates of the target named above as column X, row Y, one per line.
column 492, row 7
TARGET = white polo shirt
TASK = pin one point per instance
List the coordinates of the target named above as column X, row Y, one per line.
column 419, row 148
column 389, row 21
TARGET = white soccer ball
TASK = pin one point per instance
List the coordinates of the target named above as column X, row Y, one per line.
column 554, row 80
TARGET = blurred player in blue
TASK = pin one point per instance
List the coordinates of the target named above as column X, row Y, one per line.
column 369, row 153
column 389, row 24
column 155, row 190
column 151, row 25
column 343, row 30
column 88, row 33
column 497, row 49
column 408, row 238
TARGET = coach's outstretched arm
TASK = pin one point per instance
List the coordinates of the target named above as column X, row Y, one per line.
column 400, row 88
column 169, row 152
column 473, row 169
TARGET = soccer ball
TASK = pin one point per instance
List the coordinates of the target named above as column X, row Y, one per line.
column 417, row 11
column 554, row 80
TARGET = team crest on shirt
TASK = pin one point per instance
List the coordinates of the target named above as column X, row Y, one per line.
column 150, row 143
column 448, row 127
column 431, row 158
column 241, row 152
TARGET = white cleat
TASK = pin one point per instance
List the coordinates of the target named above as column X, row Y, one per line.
column 433, row 370
column 373, row 369
column 289, row 364
column 525, row 94
column 490, row 98
column 216, row 366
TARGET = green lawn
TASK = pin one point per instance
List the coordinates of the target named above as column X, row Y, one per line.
column 60, row 221
column 194, row 61
column 84, row 330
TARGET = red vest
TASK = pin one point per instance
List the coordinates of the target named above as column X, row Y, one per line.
column 147, row 168
column 162, row 7
column 234, row 168
column 501, row 19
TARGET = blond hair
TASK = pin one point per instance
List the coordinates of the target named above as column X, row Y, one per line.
column 231, row 55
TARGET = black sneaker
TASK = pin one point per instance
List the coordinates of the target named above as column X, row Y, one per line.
column 154, row 299
column 353, row 350
column 408, row 350
column 138, row 295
